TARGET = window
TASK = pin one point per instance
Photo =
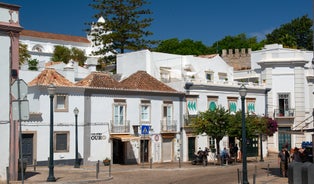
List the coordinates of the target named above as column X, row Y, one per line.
column 167, row 113
column 211, row 143
column 145, row 111
column 61, row 142
column 61, row 103
column 283, row 101
column 191, row 106
column 250, row 105
column 232, row 102
column 212, row 102
column 222, row 76
column 165, row 74
column 209, row 75
column 37, row 48
column 119, row 114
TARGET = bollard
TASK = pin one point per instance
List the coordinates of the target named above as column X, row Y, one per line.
column 268, row 170
column 255, row 170
column 150, row 163
column 110, row 169
column 254, row 178
column 238, row 175
column 8, row 175
column 97, row 169
column 35, row 164
column 179, row 162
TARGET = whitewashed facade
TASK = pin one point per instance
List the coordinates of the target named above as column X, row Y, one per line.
column 205, row 81
column 289, row 74
column 109, row 121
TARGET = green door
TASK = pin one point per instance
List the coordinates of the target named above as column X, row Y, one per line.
column 252, row 147
column 284, row 139
column 191, row 143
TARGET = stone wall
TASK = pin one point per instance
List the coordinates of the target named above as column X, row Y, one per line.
column 239, row 59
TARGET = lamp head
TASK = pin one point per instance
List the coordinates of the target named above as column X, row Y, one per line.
column 76, row 111
column 243, row 90
column 51, row 89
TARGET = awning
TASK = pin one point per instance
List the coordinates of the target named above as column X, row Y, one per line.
column 124, row 137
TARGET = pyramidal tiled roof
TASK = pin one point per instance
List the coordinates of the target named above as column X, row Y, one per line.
column 50, row 76
column 141, row 80
column 99, row 80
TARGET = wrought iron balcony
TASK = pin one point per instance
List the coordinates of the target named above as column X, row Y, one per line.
column 120, row 127
column 280, row 113
column 168, row 126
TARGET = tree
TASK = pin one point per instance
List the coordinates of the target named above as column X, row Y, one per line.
column 213, row 123
column 64, row 54
column 32, row 64
column 78, row 55
column 184, row 47
column 125, row 26
column 61, row 53
column 296, row 34
column 235, row 42
column 24, row 56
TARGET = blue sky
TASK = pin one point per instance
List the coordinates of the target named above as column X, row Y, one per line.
column 200, row 20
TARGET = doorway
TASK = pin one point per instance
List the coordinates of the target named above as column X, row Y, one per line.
column 144, row 151
column 27, row 148
column 191, row 148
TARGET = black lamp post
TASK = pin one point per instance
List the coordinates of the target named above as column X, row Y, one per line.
column 51, row 91
column 77, row 163
column 243, row 92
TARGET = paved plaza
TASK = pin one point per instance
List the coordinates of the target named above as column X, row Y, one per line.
column 266, row 172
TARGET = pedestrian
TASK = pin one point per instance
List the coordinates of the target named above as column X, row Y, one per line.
column 224, row 156
column 235, row 150
column 296, row 155
column 283, row 158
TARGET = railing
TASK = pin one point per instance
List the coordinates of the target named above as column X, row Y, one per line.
column 121, row 127
column 168, row 125
column 188, row 120
column 279, row 113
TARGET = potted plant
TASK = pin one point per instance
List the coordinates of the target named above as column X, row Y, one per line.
column 106, row 161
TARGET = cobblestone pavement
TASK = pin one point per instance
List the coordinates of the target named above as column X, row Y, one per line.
column 266, row 172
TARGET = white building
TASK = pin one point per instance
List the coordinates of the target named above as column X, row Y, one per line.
column 9, row 39
column 207, row 82
column 111, row 115
column 289, row 74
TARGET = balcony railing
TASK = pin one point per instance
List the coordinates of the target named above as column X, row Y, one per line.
column 188, row 120
column 168, row 125
column 279, row 113
column 123, row 127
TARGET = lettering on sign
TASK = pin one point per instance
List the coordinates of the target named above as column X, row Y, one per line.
column 97, row 136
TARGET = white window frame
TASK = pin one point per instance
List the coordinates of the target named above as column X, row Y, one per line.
column 61, row 99
column 119, row 114
column 145, row 113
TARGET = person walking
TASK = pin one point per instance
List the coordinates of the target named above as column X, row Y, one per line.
column 283, row 159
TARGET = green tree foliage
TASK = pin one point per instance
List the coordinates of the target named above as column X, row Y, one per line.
column 235, row 42
column 64, row 54
column 24, row 56
column 254, row 125
column 125, row 26
column 184, row 47
column 32, row 64
column 61, row 53
column 78, row 55
column 213, row 123
column 296, row 34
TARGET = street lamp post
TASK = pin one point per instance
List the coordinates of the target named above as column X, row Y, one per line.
column 243, row 92
column 77, row 163
column 51, row 91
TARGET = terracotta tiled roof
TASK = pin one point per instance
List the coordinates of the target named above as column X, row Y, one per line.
column 99, row 80
column 141, row 80
column 54, row 36
column 50, row 76
column 50, row 63
column 209, row 56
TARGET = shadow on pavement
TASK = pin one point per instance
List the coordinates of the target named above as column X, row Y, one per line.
column 273, row 171
column 27, row 175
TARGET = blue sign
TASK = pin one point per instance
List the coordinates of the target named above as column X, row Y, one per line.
column 145, row 129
